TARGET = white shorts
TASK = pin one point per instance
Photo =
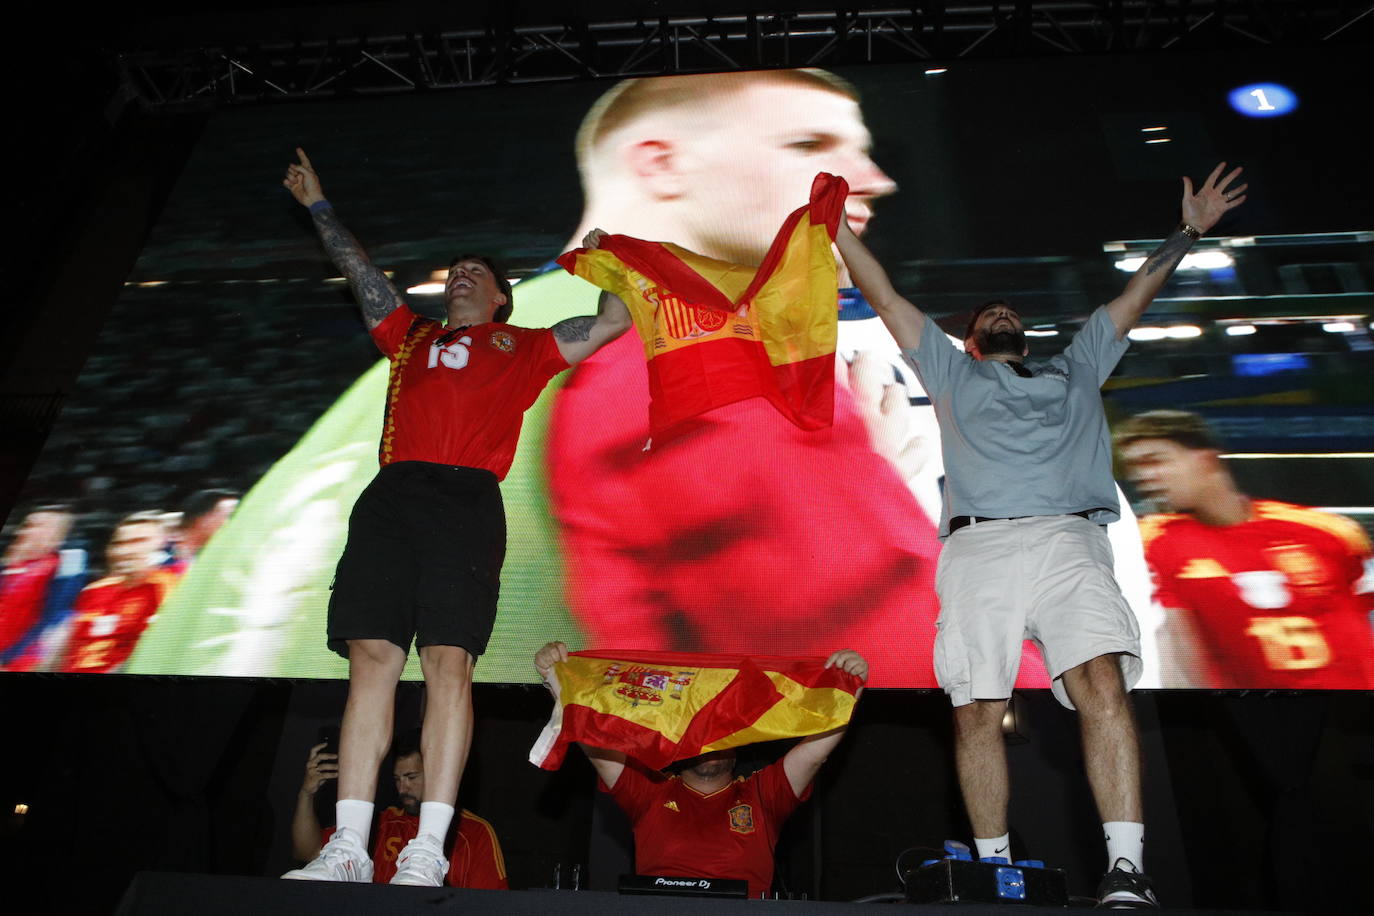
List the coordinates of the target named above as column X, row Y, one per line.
column 1045, row 578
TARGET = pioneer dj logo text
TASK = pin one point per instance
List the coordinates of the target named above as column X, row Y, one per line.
column 703, row 883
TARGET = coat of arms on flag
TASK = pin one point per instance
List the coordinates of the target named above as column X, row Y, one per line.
column 647, row 684
column 658, row 707
column 715, row 333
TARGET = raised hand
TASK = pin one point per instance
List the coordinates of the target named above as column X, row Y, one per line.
column 1201, row 210
column 544, row 661
column 376, row 295
column 302, row 181
column 592, row 240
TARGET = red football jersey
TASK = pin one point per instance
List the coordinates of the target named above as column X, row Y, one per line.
column 1280, row 600
column 462, row 402
column 110, row 616
column 22, row 589
column 474, row 860
column 728, row 834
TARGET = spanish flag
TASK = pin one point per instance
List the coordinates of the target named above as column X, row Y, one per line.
column 715, row 333
column 658, row 707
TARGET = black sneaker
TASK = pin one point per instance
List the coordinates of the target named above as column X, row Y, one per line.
column 1125, row 889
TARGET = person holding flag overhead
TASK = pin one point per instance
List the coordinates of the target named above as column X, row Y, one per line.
column 716, row 333
column 633, row 713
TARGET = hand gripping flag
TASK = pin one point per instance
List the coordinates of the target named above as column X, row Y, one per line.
column 658, row 707
column 715, row 333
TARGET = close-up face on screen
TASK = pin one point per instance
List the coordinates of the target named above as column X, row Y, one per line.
column 192, row 501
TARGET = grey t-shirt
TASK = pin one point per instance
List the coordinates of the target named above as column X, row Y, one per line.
column 1018, row 446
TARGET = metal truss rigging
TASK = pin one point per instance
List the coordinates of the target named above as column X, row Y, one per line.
column 293, row 68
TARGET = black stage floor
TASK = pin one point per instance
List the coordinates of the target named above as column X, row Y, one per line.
column 161, row 894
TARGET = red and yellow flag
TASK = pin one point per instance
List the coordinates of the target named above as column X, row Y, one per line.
column 715, row 333
column 658, row 707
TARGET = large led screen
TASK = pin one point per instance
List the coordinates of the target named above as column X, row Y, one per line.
column 235, row 364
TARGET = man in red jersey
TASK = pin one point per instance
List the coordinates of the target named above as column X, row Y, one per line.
column 112, row 613
column 474, row 853
column 39, row 580
column 1258, row 593
column 702, row 821
column 426, row 539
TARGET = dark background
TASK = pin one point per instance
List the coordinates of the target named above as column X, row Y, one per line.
column 1250, row 799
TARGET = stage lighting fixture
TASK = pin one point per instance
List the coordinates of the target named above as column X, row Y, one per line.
column 1208, row 259
column 1173, row 332
column 1268, row 456
column 434, row 286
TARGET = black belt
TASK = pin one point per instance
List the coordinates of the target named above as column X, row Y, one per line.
column 961, row 521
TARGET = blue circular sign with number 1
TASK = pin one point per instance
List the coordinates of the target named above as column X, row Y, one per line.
column 1263, row 100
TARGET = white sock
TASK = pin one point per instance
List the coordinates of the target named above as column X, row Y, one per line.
column 356, row 815
column 434, row 819
column 997, row 846
column 1125, row 840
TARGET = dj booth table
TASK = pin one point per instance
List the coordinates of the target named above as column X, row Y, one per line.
column 163, row 894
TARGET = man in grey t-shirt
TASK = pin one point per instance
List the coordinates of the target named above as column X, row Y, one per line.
column 1028, row 485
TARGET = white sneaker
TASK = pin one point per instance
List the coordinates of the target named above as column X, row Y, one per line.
column 343, row 858
column 421, row 863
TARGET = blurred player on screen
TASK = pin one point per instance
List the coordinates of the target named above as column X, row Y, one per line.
column 1258, row 593
column 39, row 580
column 203, row 513
column 815, row 534
column 112, row 613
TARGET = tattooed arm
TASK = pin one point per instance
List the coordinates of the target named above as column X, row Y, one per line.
column 375, row 294
column 582, row 336
column 1200, row 213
